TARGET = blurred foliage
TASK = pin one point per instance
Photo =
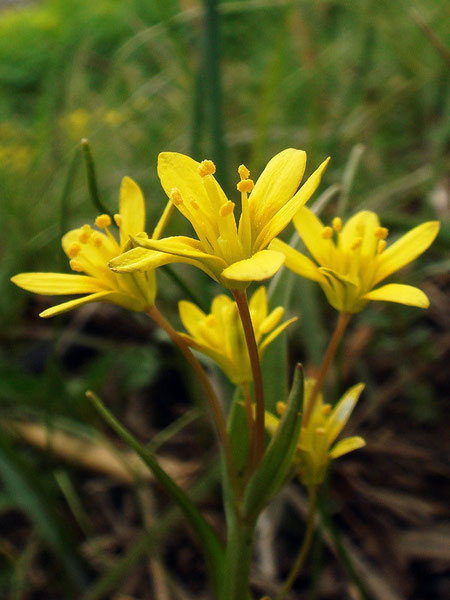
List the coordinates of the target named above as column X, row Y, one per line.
column 360, row 81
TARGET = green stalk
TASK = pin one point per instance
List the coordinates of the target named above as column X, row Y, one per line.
column 238, row 559
column 92, row 178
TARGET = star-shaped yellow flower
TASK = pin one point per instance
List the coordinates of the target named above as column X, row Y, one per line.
column 316, row 445
column 89, row 252
column 233, row 253
column 220, row 334
column 349, row 267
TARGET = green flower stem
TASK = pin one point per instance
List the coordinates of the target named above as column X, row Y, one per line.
column 238, row 559
column 304, row 549
column 341, row 326
column 92, row 178
column 216, row 411
column 241, row 300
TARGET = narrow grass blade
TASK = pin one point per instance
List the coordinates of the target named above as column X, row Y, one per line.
column 92, row 178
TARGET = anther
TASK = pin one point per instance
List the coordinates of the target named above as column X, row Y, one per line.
column 210, row 320
column 194, row 205
column 175, row 196
column 73, row 250
column 206, row 167
column 281, row 408
column 320, row 430
column 226, row 209
column 75, row 265
column 356, row 243
column 245, row 185
column 337, row 224
column 381, row 246
column 103, row 221
column 85, row 234
column 244, row 173
column 381, row 233
column 97, row 239
column 327, row 233
column 325, row 409
column 118, row 220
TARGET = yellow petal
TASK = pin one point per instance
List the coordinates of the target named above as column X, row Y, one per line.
column 341, row 412
column 287, row 211
column 50, row 284
column 296, row 261
column 131, row 208
column 272, row 319
column 260, row 266
column 397, row 292
column 406, row 249
column 275, row 186
column 347, row 445
column 363, row 224
column 310, row 229
column 181, row 172
column 271, row 422
column 113, row 297
column 275, row 333
column 191, row 316
column 258, row 308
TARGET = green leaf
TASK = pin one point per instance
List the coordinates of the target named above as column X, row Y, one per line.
column 277, row 460
column 212, row 547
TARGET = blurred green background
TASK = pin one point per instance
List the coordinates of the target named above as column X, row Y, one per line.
column 365, row 82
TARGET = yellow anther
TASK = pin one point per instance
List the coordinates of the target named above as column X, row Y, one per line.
column 85, row 234
column 118, row 220
column 97, row 239
column 244, row 173
column 381, row 246
column 73, row 250
column 210, row 321
column 325, row 409
column 246, row 185
column 280, row 408
column 320, row 430
column 206, row 167
column 327, row 233
column 381, row 233
column 337, row 224
column 175, row 196
column 103, row 221
column 226, row 209
column 194, row 205
column 356, row 243
column 75, row 265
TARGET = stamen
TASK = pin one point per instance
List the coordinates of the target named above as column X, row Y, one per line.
column 73, row 250
column 210, row 321
column 337, row 224
column 206, row 167
column 85, row 234
column 281, row 408
column 381, row 246
column 244, row 173
column 320, row 430
column 327, row 233
column 325, row 409
column 103, row 221
column 97, row 239
column 175, row 196
column 356, row 243
column 75, row 265
column 194, row 205
column 245, row 185
column 226, row 209
column 118, row 220
column 381, row 233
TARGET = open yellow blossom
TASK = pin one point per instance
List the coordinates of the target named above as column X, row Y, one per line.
column 349, row 267
column 220, row 334
column 231, row 252
column 316, row 445
column 89, row 252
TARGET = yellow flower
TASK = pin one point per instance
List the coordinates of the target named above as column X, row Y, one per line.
column 233, row 253
column 349, row 268
column 220, row 334
column 89, row 252
column 316, row 447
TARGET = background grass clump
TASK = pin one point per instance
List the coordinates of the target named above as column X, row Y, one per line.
column 364, row 82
